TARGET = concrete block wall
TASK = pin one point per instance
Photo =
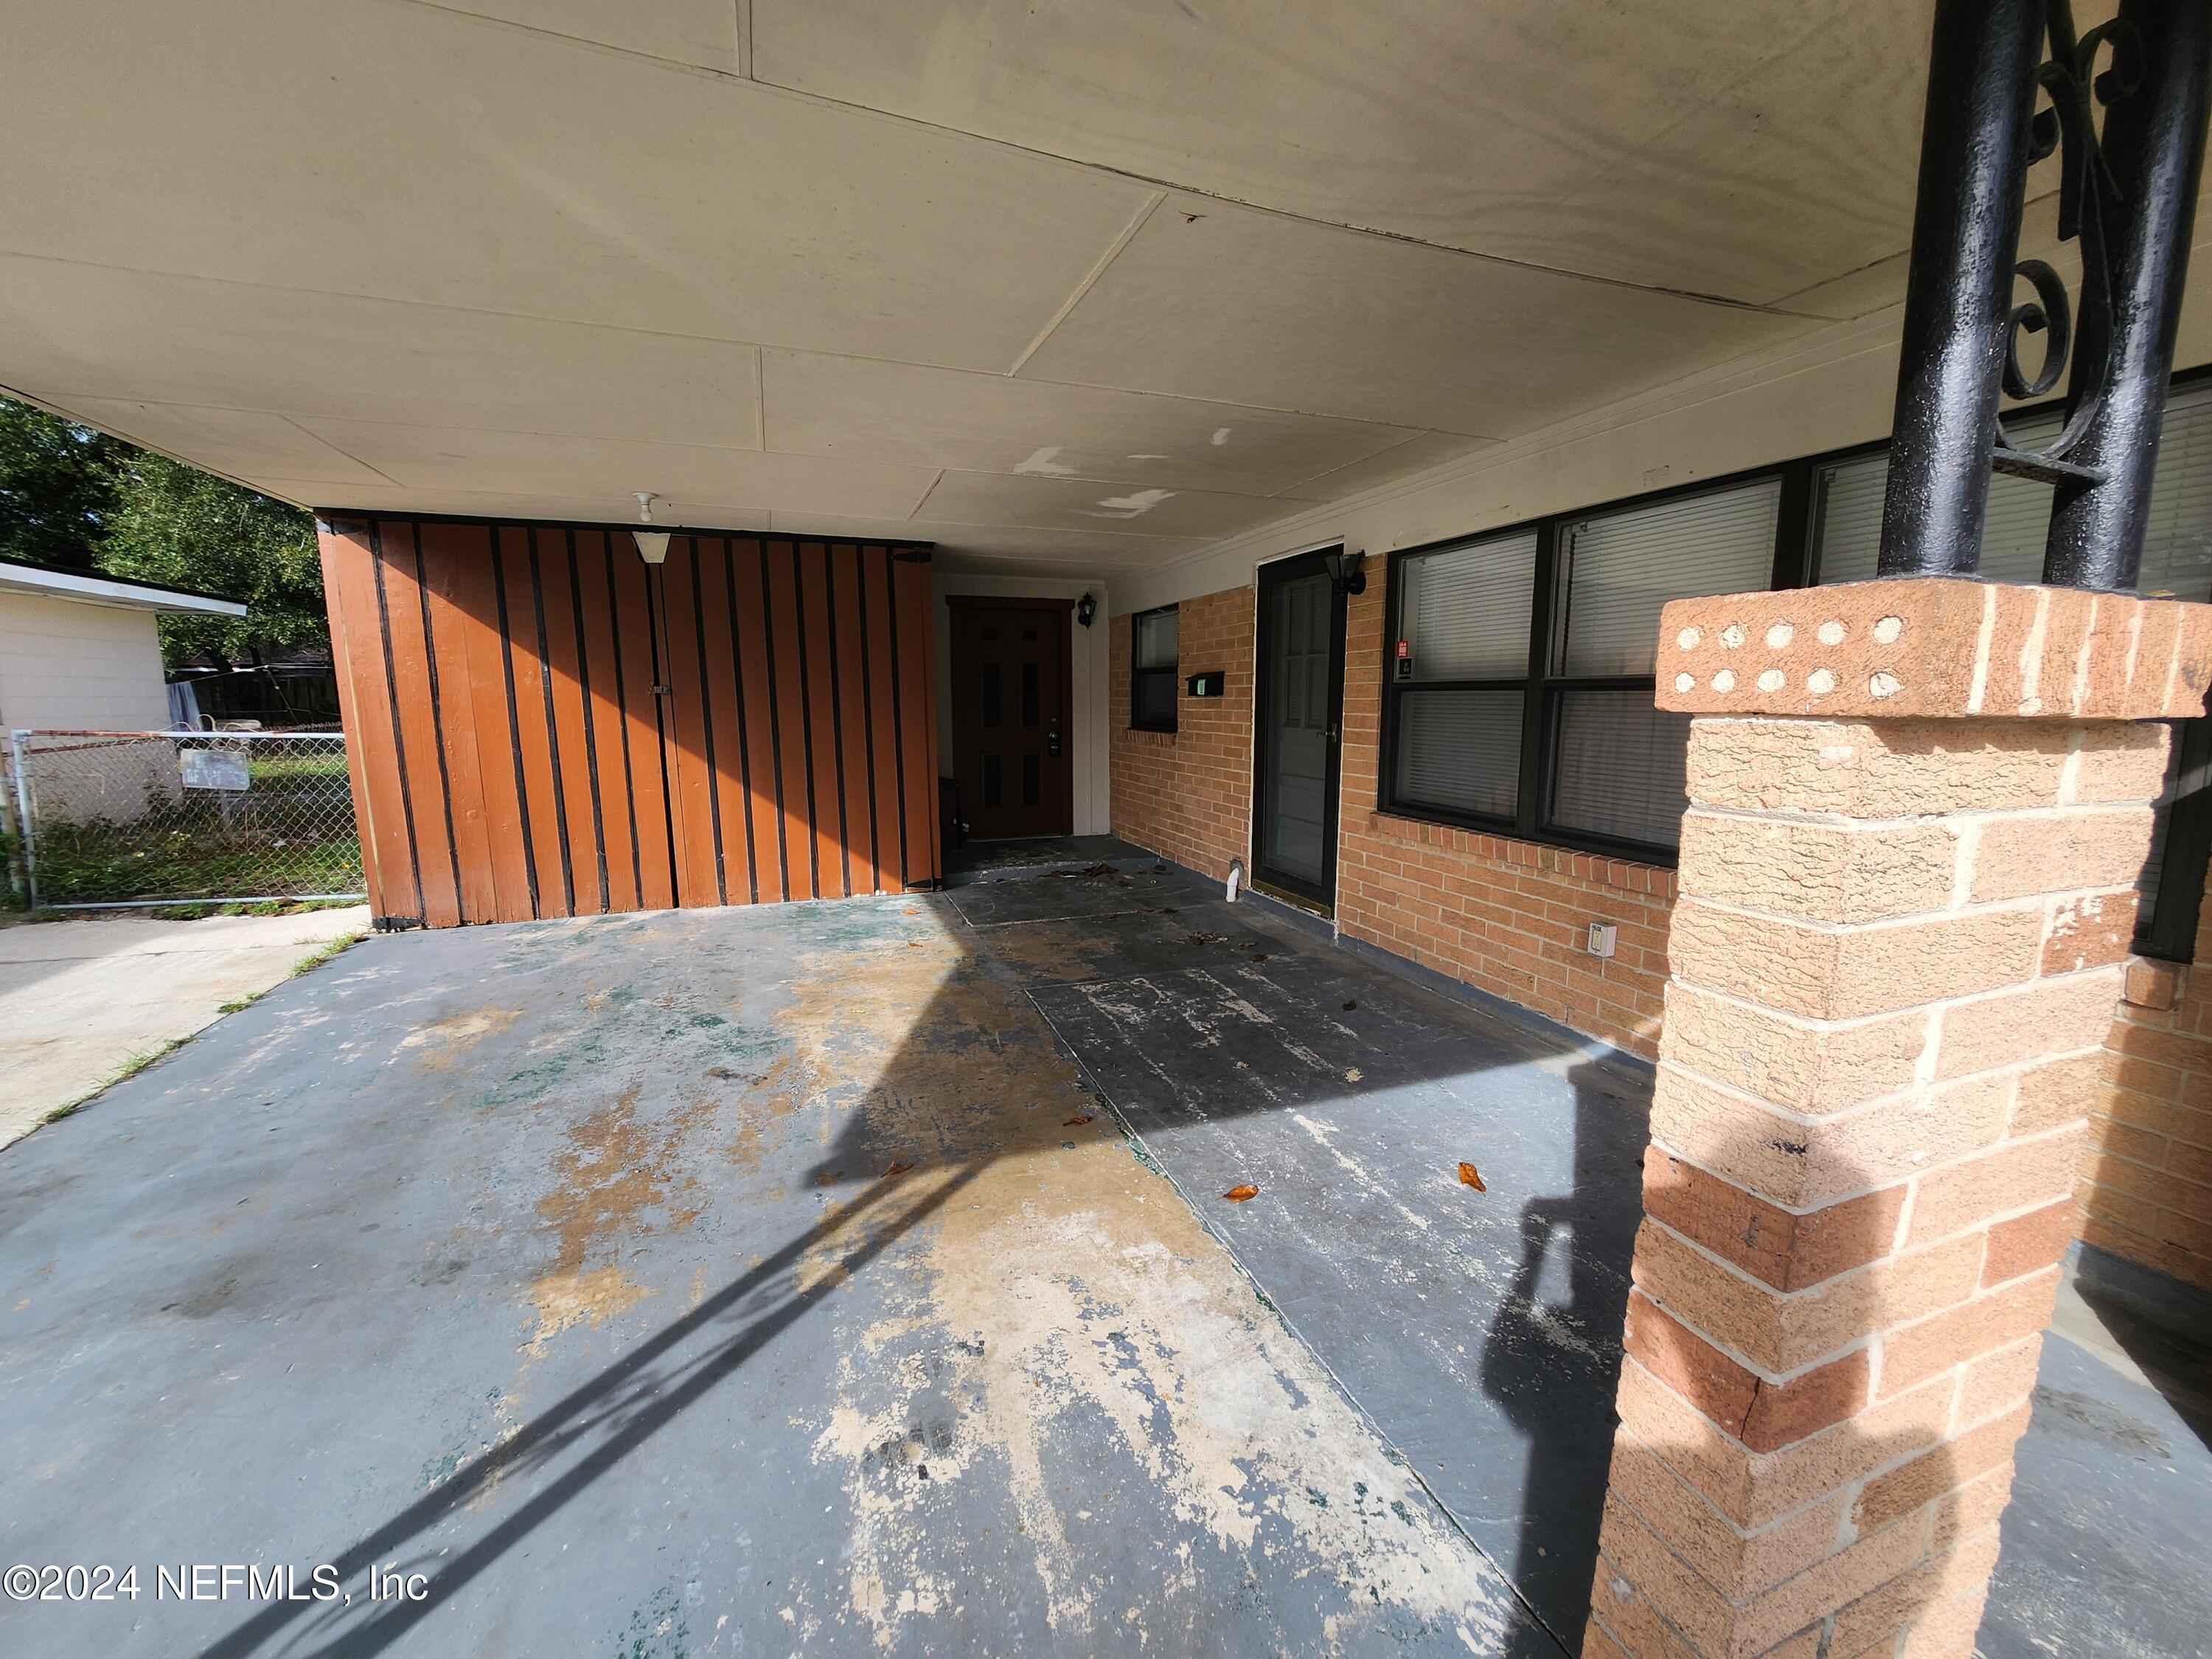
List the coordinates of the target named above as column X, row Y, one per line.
column 75, row 666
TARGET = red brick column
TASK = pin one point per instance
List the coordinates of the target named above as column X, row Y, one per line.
column 1918, row 811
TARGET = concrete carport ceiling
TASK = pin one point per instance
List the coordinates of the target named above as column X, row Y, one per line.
column 1057, row 285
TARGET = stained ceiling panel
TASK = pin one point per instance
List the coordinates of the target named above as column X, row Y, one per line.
column 410, row 153
column 1223, row 302
column 1678, row 144
column 847, row 407
column 1081, row 504
column 76, row 332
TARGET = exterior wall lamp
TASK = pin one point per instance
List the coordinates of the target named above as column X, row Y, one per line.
column 651, row 545
column 1345, row 575
column 1086, row 610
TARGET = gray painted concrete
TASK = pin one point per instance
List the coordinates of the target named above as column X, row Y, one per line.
column 737, row 1282
column 720, row 1282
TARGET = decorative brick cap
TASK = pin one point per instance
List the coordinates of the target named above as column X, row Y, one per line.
column 1935, row 646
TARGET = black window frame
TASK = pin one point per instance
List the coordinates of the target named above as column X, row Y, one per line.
column 2168, row 930
column 1137, row 671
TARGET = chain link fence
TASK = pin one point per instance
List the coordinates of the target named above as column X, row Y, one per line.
column 102, row 818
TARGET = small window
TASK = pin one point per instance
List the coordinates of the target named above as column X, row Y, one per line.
column 1153, row 669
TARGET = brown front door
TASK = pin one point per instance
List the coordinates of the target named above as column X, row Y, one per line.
column 1010, row 716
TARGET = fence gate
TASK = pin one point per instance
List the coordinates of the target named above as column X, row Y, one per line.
column 113, row 818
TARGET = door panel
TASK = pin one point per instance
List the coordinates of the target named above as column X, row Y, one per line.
column 1300, row 685
column 543, row 725
column 1009, row 717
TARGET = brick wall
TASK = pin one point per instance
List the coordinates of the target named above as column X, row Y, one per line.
column 1188, row 794
column 2146, row 1186
column 1508, row 916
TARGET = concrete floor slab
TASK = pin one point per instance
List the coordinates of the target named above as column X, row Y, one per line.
column 715, row 1282
column 78, row 998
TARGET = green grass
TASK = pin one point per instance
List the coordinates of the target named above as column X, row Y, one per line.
column 130, row 1068
column 195, row 863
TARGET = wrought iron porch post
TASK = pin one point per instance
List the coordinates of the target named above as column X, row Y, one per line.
column 1974, row 152
column 2153, row 142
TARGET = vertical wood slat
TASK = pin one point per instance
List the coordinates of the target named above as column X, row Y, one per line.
column 533, row 736
column 787, row 694
column 467, row 579
column 637, row 639
column 442, row 549
column 849, row 649
column 917, row 719
column 732, row 825
column 602, row 715
column 572, row 744
column 421, row 755
column 884, row 694
column 515, row 758
column 691, row 773
column 357, row 654
column 764, row 804
column 818, row 659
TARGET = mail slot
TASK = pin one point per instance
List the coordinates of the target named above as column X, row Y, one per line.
column 1208, row 684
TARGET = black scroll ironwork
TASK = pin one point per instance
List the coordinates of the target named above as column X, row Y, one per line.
column 2127, row 193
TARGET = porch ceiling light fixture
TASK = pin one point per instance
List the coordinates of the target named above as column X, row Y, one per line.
column 1345, row 575
column 651, row 545
column 1086, row 610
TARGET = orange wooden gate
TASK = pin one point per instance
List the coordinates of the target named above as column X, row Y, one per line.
column 543, row 725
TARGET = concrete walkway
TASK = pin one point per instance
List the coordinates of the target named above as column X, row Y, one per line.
column 81, row 998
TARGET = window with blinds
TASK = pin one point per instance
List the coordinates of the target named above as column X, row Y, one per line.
column 1154, row 670
column 1517, row 670
column 1462, row 657
column 1622, row 567
column 2177, row 545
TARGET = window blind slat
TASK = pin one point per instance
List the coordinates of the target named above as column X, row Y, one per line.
column 1623, row 568
column 1460, row 750
column 1621, row 767
column 2177, row 540
column 1465, row 610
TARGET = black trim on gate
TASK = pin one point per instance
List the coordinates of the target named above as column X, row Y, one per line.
column 898, row 709
column 622, row 714
column 590, row 732
column 552, row 729
column 745, row 742
column 438, row 722
column 391, row 694
column 775, row 720
column 806, row 718
column 514, row 719
column 707, row 721
column 868, row 715
column 837, row 711
column 1275, row 573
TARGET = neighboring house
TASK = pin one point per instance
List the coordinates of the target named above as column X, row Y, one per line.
column 79, row 651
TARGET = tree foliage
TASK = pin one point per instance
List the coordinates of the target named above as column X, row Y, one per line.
column 72, row 496
column 57, row 487
column 175, row 525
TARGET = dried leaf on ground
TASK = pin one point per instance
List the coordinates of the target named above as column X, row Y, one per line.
column 1072, row 1122
column 1239, row 1194
column 1471, row 1177
column 1349, row 1006
column 896, row 1170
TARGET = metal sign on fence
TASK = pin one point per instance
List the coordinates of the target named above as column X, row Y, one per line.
column 106, row 819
